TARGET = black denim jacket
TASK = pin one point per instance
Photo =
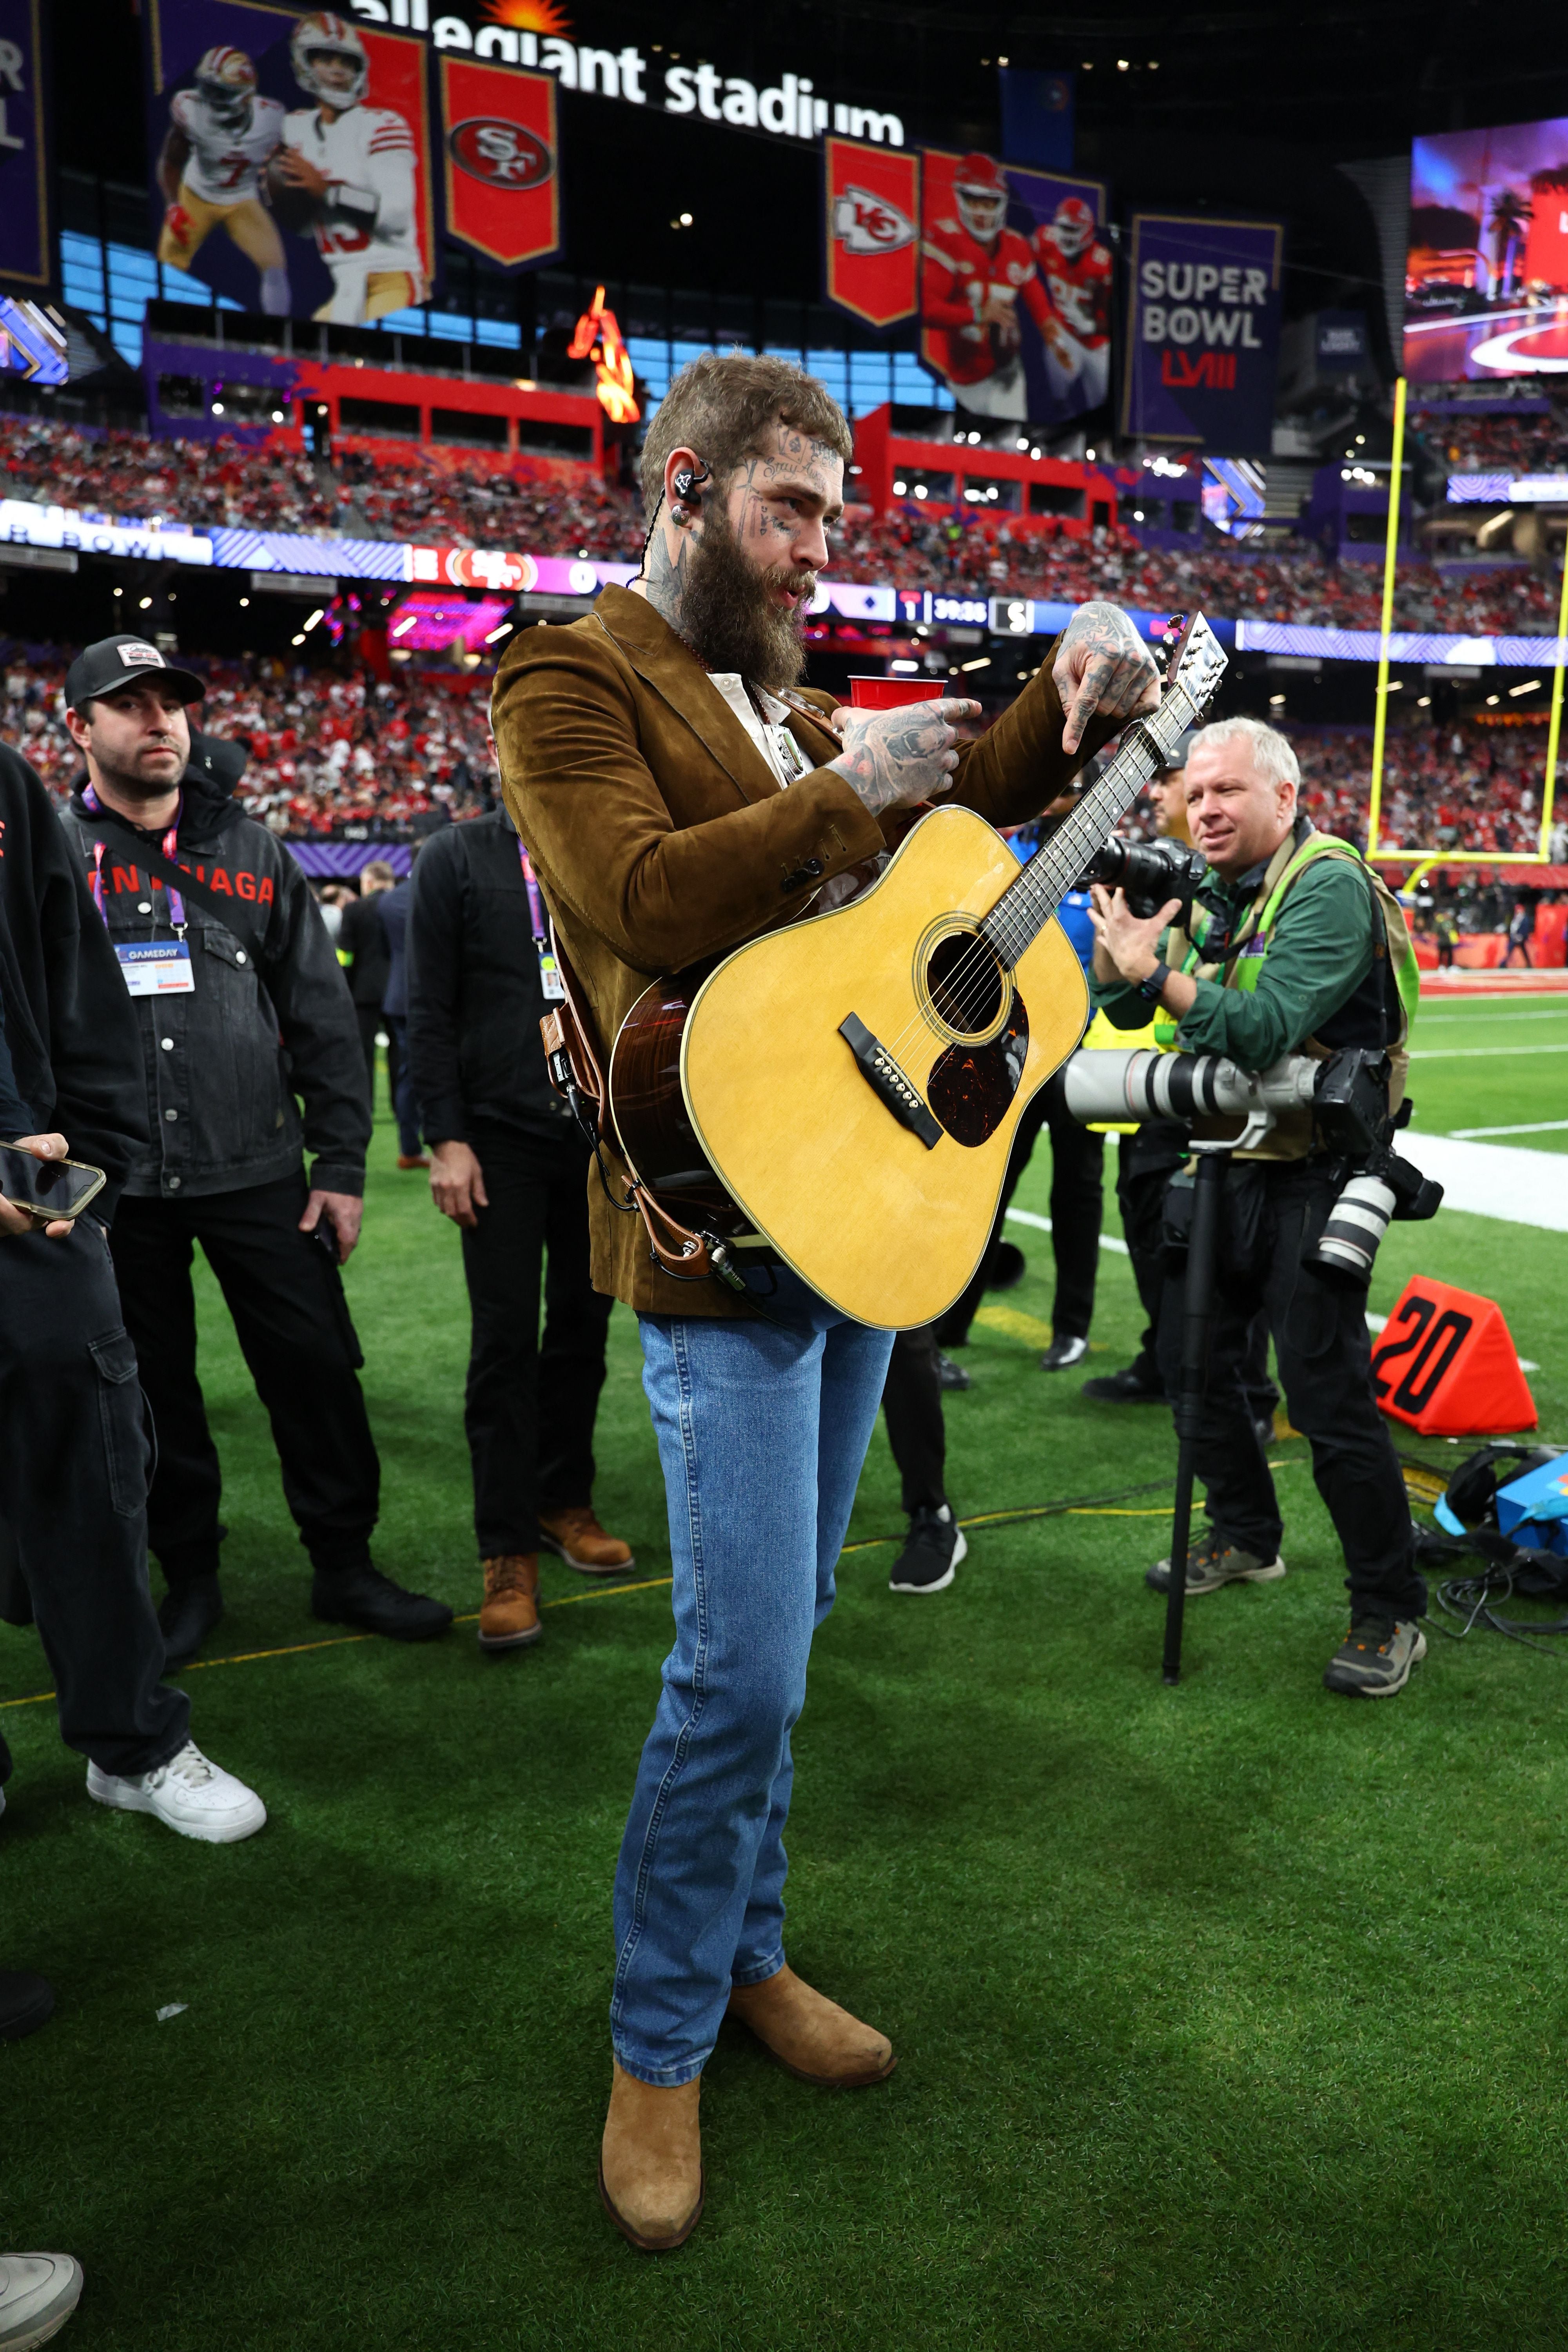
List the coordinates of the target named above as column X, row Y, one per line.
column 253, row 1064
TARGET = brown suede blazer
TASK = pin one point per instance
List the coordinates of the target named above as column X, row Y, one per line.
column 661, row 835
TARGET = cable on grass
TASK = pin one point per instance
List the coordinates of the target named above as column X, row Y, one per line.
column 1497, row 1569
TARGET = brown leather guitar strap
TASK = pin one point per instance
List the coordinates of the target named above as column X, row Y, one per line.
column 575, row 1063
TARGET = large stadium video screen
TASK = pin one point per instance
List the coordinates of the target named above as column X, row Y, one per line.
column 1486, row 284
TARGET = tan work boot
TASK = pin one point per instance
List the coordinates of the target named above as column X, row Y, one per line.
column 811, row 2034
column 510, row 1612
column 650, row 2162
column 582, row 1542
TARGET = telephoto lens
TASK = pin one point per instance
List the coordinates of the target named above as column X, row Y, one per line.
column 1357, row 1223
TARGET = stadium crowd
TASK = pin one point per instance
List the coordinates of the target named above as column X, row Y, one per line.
column 1496, row 441
column 385, row 489
column 330, row 750
column 326, row 750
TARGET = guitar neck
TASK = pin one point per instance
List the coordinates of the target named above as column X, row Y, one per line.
column 1027, row 906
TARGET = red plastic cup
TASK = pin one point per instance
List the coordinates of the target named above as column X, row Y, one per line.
column 893, row 693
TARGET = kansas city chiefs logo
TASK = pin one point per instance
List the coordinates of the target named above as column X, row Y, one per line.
column 863, row 222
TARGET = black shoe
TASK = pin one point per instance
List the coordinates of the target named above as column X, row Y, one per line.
column 26, row 2001
column 949, row 1374
column 187, row 1614
column 1122, row 1387
column 1008, row 1267
column 932, row 1549
column 1069, row 1349
column 364, row 1597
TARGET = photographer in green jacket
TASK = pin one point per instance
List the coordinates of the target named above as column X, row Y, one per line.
column 1294, row 945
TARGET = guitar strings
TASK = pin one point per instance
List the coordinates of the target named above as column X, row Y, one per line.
column 1037, row 890
column 1033, row 895
column 1046, row 877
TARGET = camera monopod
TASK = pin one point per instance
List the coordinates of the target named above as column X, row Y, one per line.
column 1137, row 1085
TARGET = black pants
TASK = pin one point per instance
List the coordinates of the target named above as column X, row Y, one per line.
column 911, row 1399
column 530, row 1406
column 1269, row 1215
column 291, row 1320
column 400, row 1078
column 372, row 1022
column 1146, row 1161
column 74, row 1456
column 1077, row 1160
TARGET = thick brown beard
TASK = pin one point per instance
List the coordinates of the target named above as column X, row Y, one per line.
column 727, row 615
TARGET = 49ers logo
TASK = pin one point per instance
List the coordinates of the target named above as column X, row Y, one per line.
column 503, row 154
column 866, row 224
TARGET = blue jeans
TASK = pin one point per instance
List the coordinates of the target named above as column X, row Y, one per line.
column 762, row 1434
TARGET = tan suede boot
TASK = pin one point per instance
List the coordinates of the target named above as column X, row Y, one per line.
column 811, row 2034
column 510, row 1615
column 582, row 1542
column 650, row 2162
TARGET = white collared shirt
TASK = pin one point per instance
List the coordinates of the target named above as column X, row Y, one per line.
column 769, row 732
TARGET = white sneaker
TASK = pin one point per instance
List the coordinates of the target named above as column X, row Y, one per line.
column 190, row 1794
column 39, row 2293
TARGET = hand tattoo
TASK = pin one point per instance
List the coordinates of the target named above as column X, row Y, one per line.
column 895, row 757
column 1102, row 664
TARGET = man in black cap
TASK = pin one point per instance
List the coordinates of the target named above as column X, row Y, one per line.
column 241, row 1007
column 73, row 1444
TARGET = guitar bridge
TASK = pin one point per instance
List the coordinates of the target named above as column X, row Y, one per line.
column 885, row 1079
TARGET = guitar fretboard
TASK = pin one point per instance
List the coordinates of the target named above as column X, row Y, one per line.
column 1028, row 905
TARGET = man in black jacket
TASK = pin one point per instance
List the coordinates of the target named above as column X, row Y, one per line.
column 363, row 954
column 510, row 1168
column 73, row 1447
column 240, row 1007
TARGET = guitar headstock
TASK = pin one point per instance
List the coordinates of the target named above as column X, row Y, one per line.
column 1196, row 661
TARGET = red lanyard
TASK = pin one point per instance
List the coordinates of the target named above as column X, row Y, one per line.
column 171, row 844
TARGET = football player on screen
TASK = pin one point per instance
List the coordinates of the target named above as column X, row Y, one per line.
column 1076, row 268
column 352, row 168
column 973, row 270
column 220, row 135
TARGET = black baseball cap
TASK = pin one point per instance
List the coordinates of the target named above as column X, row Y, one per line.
column 1177, row 758
column 114, row 662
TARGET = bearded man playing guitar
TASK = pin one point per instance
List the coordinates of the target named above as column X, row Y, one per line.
column 678, row 797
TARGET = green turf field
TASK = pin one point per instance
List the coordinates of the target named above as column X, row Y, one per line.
column 1229, row 2017
column 1486, row 1061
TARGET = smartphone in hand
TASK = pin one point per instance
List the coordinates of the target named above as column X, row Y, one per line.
column 48, row 1188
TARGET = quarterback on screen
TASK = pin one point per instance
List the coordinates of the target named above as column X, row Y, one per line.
column 974, row 272
column 348, row 171
column 1076, row 269
column 220, row 135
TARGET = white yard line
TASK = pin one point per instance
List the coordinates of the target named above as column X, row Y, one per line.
column 1494, row 1180
column 1527, row 1127
column 1043, row 1225
column 1479, row 1053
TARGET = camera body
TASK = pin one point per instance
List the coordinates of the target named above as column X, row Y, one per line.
column 1151, row 873
column 1353, row 1121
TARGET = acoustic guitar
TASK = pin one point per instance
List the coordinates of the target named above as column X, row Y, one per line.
column 845, row 1091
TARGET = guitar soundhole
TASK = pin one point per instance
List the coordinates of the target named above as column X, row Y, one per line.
column 966, row 984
